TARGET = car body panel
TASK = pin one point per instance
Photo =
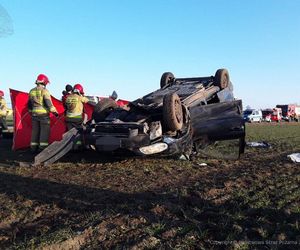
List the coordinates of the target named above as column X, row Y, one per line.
column 218, row 121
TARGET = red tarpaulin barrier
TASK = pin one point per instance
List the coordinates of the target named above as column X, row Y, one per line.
column 122, row 102
column 22, row 120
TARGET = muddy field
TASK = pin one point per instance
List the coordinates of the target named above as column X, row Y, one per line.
column 89, row 201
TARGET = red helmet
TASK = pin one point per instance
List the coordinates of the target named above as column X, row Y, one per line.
column 42, row 79
column 1, row 93
column 78, row 88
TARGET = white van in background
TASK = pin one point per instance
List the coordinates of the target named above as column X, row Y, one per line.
column 253, row 115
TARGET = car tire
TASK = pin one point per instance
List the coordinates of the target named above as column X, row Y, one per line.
column 103, row 108
column 172, row 112
column 166, row 79
column 221, row 78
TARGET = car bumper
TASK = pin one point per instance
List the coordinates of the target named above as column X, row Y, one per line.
column 105, row 139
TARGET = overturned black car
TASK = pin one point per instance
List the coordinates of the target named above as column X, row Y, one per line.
column 183, row 116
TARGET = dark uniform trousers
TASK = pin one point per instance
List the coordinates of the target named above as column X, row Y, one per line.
column 3, row 125
column 40, row 132
column 74, row 123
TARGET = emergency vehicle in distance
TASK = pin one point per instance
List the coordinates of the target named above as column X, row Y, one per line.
column 290, row 112
column 276, row 115
column 267, row 114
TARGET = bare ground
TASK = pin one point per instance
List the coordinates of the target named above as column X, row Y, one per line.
column 90, row 201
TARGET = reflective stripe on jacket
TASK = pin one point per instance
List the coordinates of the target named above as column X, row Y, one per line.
column 74, row 105
column 40, row 101
column 3, row 107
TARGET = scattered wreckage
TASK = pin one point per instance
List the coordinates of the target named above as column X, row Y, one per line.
column 182, row 117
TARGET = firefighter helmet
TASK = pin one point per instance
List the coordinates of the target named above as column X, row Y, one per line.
column 78, row 88
column 42, row 79
column 69, row 88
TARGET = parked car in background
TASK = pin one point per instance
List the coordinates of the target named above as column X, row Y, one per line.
column 290, row 112
column 276, row 115
column 267, row 114
column 253, row 115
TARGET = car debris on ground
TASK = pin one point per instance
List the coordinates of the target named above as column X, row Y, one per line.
column 295, row 157
column 261, row 144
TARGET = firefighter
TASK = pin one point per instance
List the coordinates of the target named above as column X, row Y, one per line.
column 3, row 112
column 66, row 92
column 40, row 106
column 74, row 107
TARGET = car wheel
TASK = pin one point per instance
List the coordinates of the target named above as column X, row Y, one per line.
column 172, row 112
column 222, row 78
column 103, row 108
column 166, row 78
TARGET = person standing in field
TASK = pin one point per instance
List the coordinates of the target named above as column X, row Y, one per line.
column 74, row 104
column 3, row 112
column 40, row 106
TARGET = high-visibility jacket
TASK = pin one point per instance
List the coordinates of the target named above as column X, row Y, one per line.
column 39, row 103
column 74, row 105
column 64, row 97
column 3, row 107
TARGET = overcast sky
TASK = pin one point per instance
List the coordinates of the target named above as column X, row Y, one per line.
column 126, row 45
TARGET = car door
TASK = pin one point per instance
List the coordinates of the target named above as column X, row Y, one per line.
column 218, row 121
